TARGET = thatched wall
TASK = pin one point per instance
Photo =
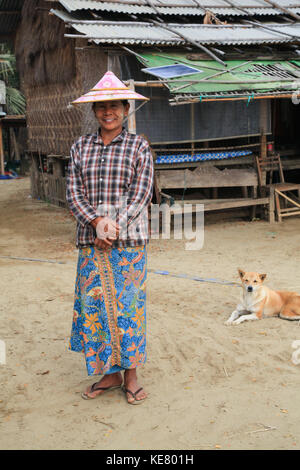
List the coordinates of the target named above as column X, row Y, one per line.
column 52, row 127
column 92, row 65
column 54, row 70
column 43, row 54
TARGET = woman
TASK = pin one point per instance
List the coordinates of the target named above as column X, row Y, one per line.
column 109, row 188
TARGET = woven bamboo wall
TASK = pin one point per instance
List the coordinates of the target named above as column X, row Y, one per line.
column 55, row 70
column 52, row 126
column 92, row 65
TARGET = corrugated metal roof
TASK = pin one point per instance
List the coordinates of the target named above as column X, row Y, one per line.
column 183, row 7
column 148, row 33
column 240, row 78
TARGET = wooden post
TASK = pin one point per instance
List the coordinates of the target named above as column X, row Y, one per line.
column 35, row 178
column 57, row 167
column 1, row 151
column 193, row 127
column 263, row 127
column 272, row 205
column 263, row 140
column 131, row 117
column 14, row 144
column 277, row 202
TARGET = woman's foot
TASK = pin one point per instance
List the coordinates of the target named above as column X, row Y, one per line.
column 134, row 392
column 107, row 382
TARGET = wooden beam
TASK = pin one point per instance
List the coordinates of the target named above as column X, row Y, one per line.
column 286, row 197
column 6, row 12
column 212, row 205
column 173, row 101
column 206, row 178
column 263, row 128
column 131, row 116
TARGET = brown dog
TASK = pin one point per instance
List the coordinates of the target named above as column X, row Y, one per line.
column 258, row 301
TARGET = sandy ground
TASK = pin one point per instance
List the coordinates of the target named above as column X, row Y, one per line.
column 210, row 386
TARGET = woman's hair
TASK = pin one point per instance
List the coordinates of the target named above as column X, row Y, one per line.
column 124, row 103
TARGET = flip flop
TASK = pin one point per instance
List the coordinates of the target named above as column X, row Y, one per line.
column 134, row 394
column 94, row 389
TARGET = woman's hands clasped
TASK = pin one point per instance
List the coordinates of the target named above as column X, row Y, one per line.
column 107, row 231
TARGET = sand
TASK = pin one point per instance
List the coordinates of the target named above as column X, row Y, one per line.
column 210, row 386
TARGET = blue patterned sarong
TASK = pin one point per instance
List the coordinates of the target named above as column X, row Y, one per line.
column 109, row 322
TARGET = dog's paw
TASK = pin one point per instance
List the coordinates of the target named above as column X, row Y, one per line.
column 238, row 321
column 228, row 322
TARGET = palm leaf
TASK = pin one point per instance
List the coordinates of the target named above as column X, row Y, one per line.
column 6, row 68
column 15, row 101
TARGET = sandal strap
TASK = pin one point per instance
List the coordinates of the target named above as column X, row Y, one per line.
column 94, row 388
column 134, row 394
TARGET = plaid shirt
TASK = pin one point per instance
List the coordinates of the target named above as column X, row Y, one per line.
column 114, row 180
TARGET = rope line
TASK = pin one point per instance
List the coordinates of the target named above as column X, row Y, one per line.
column 152, row 271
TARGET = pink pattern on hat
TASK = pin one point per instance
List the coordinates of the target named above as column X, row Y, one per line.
column 109, row 88
column 109, row 81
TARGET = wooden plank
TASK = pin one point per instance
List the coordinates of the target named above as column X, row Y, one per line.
column 287, row 186
column 206, row 178
column 207, row 201
column 287, row 198
column 288, row 209
column 228, row 204
column 290, row 213
column 234, row 203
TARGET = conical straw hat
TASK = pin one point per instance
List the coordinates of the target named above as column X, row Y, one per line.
column 109, row 88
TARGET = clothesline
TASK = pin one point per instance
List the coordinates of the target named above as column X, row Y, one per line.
column 152, row 271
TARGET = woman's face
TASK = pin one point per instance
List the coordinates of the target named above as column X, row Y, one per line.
column 110, row 114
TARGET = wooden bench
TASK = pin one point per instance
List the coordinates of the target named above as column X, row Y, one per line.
column 212, row 177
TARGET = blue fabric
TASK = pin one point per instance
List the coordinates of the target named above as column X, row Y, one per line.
column 109, row 322
column 200, row 156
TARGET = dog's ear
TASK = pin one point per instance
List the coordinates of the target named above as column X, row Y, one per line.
column 241, row 273
column 262, row 277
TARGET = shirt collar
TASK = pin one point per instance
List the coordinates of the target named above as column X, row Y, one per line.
column 118, row 138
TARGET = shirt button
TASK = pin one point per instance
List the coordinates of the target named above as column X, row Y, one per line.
column 100, row 202
column 102, row 159
column 101, row 179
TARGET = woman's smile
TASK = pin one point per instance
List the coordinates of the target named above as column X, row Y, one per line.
column 110, row 115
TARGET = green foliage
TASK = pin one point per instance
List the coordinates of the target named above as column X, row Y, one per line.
column 15, row 100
